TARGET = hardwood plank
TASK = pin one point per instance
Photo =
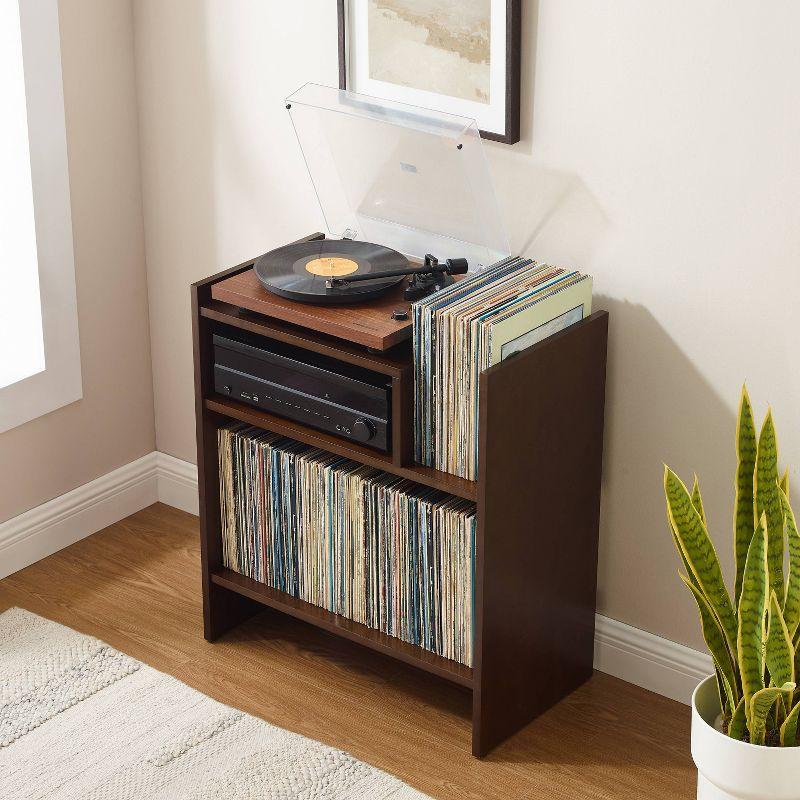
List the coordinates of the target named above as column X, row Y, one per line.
column 136, row 585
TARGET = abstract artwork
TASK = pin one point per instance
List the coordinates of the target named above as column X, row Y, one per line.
column 457, row 56
column 441, row 46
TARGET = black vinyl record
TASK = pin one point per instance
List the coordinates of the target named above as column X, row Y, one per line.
column 312, row 272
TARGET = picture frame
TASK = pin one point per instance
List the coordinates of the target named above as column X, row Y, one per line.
column 469, row 66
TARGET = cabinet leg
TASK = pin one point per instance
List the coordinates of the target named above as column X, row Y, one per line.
column 224, row 609
column 479, row 750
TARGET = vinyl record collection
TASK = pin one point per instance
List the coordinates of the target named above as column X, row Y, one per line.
column 470, row 326
column 372, row 547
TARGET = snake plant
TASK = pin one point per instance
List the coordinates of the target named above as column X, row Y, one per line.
column 753, row 636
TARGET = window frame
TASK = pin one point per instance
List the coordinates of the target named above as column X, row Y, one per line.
column 60, row 383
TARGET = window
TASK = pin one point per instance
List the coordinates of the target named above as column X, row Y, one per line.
column 21, row 321
column 39, row 349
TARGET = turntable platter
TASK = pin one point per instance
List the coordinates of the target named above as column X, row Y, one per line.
column 317, row 271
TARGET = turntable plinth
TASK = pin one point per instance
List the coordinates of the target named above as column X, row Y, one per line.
column 369, row 324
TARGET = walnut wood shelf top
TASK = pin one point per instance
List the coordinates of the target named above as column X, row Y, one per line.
column 391, row 362
column 354, row 631
column 369, row 324
column 365, row 455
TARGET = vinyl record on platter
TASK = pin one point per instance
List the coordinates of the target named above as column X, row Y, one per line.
column 304, row 271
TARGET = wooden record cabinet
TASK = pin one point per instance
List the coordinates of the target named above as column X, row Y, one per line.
column 537, row 493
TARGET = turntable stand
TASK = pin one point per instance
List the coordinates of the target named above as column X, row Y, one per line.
column 537, row 495
column 369, row 324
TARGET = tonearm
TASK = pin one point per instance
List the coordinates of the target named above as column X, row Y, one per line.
column 423, row 280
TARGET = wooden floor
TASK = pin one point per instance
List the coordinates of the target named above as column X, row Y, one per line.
column 136, row 585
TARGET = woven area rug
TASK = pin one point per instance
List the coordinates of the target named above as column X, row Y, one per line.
column 79, row 719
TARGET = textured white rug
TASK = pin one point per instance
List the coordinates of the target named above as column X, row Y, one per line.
column 80, row 720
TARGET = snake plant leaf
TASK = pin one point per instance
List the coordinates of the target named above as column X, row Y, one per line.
column 791, row 604
column 789, row 728
column 768, row 501
column 699, row 551
column 745, row 521
column 783, row 483
column 697, row 501
column 715, row 641
column 760, row 705
column 738, row 724
column 677, row 544
column 796, row 659
column 752, row 607
column 779, row 651
column 779, row 655
column 721, row 692
column 689, row 574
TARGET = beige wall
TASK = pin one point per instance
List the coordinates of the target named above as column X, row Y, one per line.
column 113, row 423
column 660, row 153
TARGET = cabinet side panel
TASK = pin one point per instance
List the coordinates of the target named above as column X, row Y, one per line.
column 541, row 442
column 222, row 609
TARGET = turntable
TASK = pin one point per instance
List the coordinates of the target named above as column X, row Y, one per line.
column 407, row 198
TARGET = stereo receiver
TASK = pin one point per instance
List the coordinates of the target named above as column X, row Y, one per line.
column 331, row 395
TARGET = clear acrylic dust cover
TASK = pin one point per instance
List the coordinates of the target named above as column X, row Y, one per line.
column 404, row 177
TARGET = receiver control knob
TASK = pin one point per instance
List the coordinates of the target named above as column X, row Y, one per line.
column 363, row 430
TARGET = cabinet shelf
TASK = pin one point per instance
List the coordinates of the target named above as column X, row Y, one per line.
column 390, row 362
column 364, row 455
column 341, row 626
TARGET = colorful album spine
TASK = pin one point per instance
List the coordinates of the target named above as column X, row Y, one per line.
column 464, row 329
column 377, row 549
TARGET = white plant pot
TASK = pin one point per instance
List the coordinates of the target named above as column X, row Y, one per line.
column 731, row 770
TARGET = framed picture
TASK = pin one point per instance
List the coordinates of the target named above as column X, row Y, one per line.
column 457, row 56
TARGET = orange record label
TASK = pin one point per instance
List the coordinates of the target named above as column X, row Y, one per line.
column 331, row 266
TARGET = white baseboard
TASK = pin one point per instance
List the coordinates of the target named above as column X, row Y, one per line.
column 634, row 655
column 647, row 660
column 60, row 522
column 75, row 515
column 177, row 483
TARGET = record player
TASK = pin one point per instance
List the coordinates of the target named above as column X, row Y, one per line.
column 409, row 205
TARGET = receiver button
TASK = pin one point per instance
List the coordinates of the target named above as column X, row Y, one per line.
column 363, row 430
